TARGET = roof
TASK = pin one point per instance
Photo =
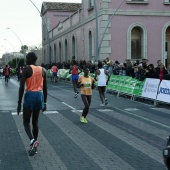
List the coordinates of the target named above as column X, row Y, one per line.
column 60, row 6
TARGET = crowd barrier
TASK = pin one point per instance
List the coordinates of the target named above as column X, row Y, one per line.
column 149, row 88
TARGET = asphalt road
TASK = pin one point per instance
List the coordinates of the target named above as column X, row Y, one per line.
column 124, row 135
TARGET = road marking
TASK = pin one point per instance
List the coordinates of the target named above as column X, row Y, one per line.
column 49, row 112
column 105, row 110
column 68, row 105
column 76, row 110
column 15, row 113
column 144, row 118
column 103, row 157
column 131, row 109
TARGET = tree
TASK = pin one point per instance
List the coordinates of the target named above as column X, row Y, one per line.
column 17, row 62
column 24, row 48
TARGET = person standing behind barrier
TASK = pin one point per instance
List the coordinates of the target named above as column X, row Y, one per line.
column 54, row 70
column 151, row 72
column 161, row 71
column 6, row 74
column 75, row 75
column 86, row 83
column 100, row 76
column 35, row 98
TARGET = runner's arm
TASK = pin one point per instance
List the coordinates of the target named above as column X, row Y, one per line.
column 44, row 85
column 22, row 86
column 108, row 77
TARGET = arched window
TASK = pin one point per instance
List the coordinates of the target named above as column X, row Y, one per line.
column 66, row 50
column 59, row 51
column 136, row 43
column 44, row 59
column 73, row 48
column 90, row 45
column 55, row 54
column 50, row 55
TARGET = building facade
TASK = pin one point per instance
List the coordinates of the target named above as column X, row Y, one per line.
column 123, row 29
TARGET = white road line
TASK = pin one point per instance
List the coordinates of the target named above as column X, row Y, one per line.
column 69, row 106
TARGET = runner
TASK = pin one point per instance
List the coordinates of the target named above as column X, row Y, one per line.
column 54, row 70
column 35, row 98
column 86, row 83
column 75, row 75
column 6, row 73
column 100, row 76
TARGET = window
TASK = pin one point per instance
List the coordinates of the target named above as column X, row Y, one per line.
column 138, row 1
column 167, row 2
column 91, row 4
column 136, row 43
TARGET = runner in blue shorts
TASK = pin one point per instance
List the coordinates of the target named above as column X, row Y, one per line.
column 35, row 98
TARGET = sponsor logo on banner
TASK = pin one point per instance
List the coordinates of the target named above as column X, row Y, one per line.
column 164, row 91
column 150, row 88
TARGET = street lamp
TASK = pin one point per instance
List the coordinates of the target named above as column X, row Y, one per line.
column 48, row 39
column 16, row 36
column 22, row 47
column 10, row 44
column 97, row 48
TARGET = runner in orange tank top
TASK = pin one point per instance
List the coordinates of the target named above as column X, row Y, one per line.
column 35, row 98
column 6, row 73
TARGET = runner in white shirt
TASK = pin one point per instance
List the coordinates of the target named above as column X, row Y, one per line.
column 100, row 76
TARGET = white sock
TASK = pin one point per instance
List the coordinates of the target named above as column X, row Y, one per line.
column 31, row 141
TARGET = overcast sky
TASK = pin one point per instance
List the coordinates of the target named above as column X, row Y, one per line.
column 24, row 22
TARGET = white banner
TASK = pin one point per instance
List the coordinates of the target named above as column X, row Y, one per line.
column 164, row 91
column 150, row 88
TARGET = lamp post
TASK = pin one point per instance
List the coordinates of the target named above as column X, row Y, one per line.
column 14, row 51
column 16, row 35
column 48, row 39
column 96, row 14
column 19, row 41
column 10, row 44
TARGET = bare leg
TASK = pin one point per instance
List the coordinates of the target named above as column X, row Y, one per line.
column 86, row 100
column 26, row 121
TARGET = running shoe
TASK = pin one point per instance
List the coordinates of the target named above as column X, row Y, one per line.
column 82, row 119
column 105, row 101
column 33, row 148
column 102, row 104
column 168, row 141
column 76, row 95
column 85, row 120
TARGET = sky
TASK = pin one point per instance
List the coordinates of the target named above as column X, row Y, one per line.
column 24, row 23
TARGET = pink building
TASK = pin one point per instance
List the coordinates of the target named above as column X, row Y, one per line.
column 127, row 29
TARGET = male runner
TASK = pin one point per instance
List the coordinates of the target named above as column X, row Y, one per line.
column 100, row 76
column 35, row 98
column 75, row 75
column 6, row 73
column 54, row 70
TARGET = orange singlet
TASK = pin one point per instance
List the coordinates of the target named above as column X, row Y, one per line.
column 7, row 71
column 35, row 82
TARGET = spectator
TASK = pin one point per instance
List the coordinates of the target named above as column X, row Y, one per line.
column 151, row 72
column 116, row 68
column 139, row 72
column 129, row 68
column 161, row 71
